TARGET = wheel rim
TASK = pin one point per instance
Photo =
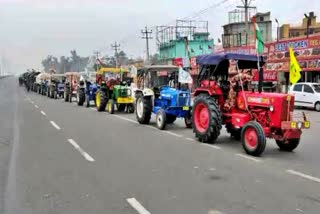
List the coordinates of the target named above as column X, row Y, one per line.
column 140, row 107
column 98, row 100
column 251, row 138
column 318, row 107
column 109, row 106
column 201, row 117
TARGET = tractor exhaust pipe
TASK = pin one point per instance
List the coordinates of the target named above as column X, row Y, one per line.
column 260, row 80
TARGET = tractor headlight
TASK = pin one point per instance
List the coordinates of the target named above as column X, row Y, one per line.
column 129, row 92
column 299, row 125
column 271, row 108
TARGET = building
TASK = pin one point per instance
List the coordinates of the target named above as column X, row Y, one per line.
column 186, row 39
column 309, row 26
column 235, row 33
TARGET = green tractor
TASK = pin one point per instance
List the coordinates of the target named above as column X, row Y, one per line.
column 112, row 92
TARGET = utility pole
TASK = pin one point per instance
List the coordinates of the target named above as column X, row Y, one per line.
column 146, row 36
column 115, row 48
column 246, row 6
column 97, row 57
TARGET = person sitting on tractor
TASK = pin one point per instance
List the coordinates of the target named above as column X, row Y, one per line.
column 235, row 82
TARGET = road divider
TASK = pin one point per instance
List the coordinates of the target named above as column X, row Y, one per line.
column 137, row 206
column 309, row 177
column 55, row 125
column 82, row 152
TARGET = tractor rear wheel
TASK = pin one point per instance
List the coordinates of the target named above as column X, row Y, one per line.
column 143, row 109
column 161, row 119
column 121, row 107
column 101, row 100
column 110, row 105
column 206, row 119
column 253, row 138
column 81, row 97
column 288, row 145
column 87, row 101
column 171, row 119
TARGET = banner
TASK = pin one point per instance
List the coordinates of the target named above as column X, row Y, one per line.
column 184, row 76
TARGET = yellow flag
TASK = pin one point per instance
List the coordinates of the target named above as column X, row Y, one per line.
column 294, row 68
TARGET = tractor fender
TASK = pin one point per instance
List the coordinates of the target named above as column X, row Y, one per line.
column 202, row 91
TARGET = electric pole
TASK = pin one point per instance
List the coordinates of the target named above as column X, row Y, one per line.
column 115, row 48
column 146, row 36
column 97, row 57
column 246, row 6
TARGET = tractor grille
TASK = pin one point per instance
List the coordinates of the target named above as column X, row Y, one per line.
column 123, row 92
column 183, row 99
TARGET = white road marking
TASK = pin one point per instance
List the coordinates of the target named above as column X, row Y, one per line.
column 137, row 206
column 36, row 106
column 248, row 157
column 82, row 152
column 126, row 119
column 55, row 125
column 215, row 212
column 173, row 134
column 190, row 139
column 304, row 175
column 211, row 146
column 43, row 113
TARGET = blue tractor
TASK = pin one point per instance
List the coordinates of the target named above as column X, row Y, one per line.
column 161, row 92
column 91, row 88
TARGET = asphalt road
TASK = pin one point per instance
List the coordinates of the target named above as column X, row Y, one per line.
column 56, row 157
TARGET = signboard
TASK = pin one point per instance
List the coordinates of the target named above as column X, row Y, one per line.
column 306, row 50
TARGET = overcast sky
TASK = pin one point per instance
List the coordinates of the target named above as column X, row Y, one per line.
column 32, row 29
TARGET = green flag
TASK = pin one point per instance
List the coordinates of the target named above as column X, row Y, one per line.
column 258, row 37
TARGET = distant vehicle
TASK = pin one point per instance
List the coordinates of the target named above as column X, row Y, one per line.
column 306, row 95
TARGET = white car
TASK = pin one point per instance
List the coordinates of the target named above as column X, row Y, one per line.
column 306, row 95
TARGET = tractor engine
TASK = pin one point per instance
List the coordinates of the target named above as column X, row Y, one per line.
column 274, row 111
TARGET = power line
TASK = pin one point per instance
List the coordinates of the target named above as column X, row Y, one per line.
column 146, row 36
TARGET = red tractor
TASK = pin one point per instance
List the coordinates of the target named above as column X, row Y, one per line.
column 248, row 115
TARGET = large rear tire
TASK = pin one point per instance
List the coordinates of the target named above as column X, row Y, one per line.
column 81, row 97
column 289, row 145
column 143, row 109
column 110, row 105
column 253, row 138
column 206, row 119
column 101, row 100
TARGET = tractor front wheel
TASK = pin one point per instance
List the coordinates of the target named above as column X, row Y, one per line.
column 130, row 108
column 143, row 109
column 81, row 97
column 121, row 107
column 288, row 145
column 161, row 119
column 253, row 138
column 101, row 100
column 66, row 95
column 206, row 119
column 188, row 121
column 111, row 106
